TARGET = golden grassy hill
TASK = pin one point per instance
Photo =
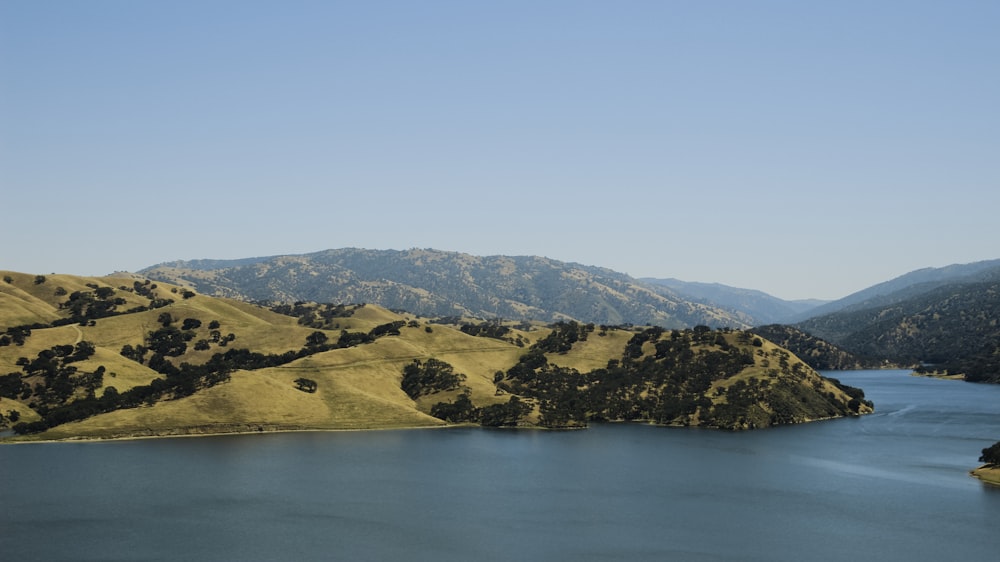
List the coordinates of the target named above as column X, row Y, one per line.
column 122, row 357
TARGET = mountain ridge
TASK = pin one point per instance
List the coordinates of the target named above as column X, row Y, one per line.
column 908, row 285
column 440, row 283
column 762, row 307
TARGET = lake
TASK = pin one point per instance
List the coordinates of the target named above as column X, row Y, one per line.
column 889, row 486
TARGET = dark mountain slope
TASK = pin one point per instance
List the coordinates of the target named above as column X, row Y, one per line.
column 955, row 327
column 908, row 286
column 817, row 353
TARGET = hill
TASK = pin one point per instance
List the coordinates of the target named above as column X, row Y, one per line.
column 125, row 357
column 910, row 285
column 816, row 352
column 757, row 307
column 436, row 283
column 950, row 329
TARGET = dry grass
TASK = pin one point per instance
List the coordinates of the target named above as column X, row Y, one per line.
column 989, row 474
column 594, row 353
column 8, row 405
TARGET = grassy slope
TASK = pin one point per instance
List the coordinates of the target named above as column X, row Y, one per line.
column 357, row 387
column 593, row 353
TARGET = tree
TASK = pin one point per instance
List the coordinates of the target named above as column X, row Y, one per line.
column 430, row 377
column 460, row 410
column 39, row 279
column 991, row 454
column 316, row 339
column 306, row 385
column 499, row 415
column 83, row 351
column 167, row 341
column 165, row 319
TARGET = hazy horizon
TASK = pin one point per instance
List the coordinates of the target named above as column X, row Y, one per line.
column 805, row 150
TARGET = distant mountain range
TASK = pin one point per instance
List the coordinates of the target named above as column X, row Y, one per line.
column 758, row 305
column 437, row 283
column 945, row 316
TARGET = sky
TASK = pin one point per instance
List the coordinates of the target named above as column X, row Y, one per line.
column 805, row 149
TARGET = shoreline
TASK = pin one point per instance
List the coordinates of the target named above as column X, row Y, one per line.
column 197, row 432
column 265, row 428
column 988, row 474
column 938, row 375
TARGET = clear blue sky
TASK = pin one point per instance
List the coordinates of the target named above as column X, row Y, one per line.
column 807, row 149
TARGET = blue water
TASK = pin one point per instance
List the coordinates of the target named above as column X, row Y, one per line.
column 890, row 486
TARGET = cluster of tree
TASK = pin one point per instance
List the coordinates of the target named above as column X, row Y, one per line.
column 429, row 377
column 493, row 330
column 51, row 380
column 387, row 329
column 17, row 335
column 816, row 352
column 423, row 378
column 179, row 380
column 462, row 410
column 184, row 293
column 991, row 454
column 12, row 386
column 857, row 395
column 319, row 316
column 667, row 378
column 171, row 341
column 563, row 336
column 755, row 402
column 13, row 416
column 86, row 307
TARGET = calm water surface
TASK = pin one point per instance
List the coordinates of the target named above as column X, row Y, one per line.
column 890, row 486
